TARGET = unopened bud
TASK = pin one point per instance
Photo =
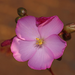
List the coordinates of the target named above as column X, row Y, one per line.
column 66, row 36
column 69, row 28
column 17, row 19
column 21, row 11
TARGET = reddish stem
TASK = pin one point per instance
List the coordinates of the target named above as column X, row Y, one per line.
column 26, row 15
column 61, row 33
column 50, row 71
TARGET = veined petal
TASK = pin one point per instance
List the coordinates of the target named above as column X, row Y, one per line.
column 56, row 45
column 26, row 28
column 53, row 26
column 42, row 59
column 22, row 50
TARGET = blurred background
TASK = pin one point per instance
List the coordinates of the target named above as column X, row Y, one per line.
column 64, row 9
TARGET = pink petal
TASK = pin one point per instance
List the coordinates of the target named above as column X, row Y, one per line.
column 26, row 28
column 53, row 26
column 22, row 50
column 42, row 59
column 56, row 45
column 41, row 20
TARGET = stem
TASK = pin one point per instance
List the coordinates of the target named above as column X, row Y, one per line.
column 50, row 71
column 26, row 15
column 60, row 58
column 61, row 33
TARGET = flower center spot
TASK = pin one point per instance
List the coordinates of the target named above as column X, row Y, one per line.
column 39, row 41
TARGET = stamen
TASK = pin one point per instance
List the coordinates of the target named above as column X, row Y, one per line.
column 39, row 41
column 37, row 38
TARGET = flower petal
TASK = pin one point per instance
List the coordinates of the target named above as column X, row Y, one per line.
column 42, row 20
column 56, row 45
column 42, row 59
column 22, row 50
column 54, row 26
column 26, row 28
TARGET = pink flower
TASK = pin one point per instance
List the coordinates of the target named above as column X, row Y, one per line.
column 40, row 44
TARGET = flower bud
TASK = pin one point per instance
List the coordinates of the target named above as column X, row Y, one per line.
column 17, row 19
column 21, row 11
column 6, row 42
column 69, row 28
column 66, row 36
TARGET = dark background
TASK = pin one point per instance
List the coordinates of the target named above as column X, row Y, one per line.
column 65, row 9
